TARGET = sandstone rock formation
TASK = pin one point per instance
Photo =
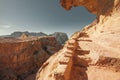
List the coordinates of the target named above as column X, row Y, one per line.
column 94, row 52
column 20, row 58
column 60, row 36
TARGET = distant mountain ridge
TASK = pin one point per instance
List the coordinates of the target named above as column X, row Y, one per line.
column 61, row 37
column 18, row 34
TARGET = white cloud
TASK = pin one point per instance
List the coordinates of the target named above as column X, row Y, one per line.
column 5, row 26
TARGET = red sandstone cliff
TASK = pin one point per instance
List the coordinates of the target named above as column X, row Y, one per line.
column 22, row 57
column 94, row 52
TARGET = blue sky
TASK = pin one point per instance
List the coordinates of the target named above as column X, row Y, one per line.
column 41, row 16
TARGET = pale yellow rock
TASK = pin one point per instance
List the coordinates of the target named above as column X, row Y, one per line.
column 95, row 51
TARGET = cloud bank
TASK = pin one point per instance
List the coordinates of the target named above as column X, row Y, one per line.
column 5, row 26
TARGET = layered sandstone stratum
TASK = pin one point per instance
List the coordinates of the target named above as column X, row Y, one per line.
column 20, row 58
column 94, row 52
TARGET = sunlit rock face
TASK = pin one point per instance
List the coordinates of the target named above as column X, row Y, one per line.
column 92, row 53
column 22, row 57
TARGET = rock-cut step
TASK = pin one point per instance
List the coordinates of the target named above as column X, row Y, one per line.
column 64, row 60
column 84, row 39
column 82, row 52
column 70, row 47
column 67, row 55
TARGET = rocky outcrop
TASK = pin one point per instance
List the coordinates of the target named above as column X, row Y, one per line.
column 60, row 37
column 22, row 57
column 90, row 54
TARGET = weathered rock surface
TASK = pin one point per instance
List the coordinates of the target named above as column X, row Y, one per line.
column 94, row 52
column 60, row 36
column 22, row 57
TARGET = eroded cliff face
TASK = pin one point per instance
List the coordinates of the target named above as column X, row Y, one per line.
column 92, row 53
column 20, row 58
